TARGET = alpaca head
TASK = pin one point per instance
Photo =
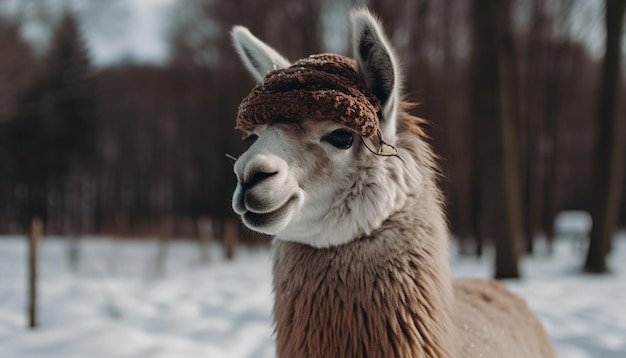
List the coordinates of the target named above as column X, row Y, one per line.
column 312, row 174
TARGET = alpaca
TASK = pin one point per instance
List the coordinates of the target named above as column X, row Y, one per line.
column 344, row 180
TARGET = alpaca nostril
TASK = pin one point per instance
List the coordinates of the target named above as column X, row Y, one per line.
column 257, row 178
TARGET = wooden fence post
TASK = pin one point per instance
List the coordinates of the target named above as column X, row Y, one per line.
column 167, row 228
column 73, row 252
column 231, row 237
column 33, row 257
column 205, row 230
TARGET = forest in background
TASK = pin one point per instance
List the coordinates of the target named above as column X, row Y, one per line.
column 125, row 148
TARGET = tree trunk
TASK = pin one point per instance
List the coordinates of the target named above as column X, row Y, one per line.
column 479, row 213
column 494, row 115
column 609, row 157
column 205, row 231
column 534, row 190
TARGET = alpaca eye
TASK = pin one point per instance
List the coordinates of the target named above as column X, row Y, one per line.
column 341, row 138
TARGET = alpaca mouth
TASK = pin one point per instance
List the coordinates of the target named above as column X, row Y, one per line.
column 256, row 221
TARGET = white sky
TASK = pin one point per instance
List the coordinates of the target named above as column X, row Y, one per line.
column 136, row 30
column 140, row 36
column 115, row 30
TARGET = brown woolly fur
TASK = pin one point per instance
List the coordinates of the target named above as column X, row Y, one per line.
column 385, row 295
column 408, row 123
column 489, row 320
column 390, row 294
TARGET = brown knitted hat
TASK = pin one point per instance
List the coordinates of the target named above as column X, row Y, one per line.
column 320, row 87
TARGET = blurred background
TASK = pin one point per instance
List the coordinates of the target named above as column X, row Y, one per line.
column 115, row 116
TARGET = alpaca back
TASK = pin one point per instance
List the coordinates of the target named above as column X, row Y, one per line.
column 490, row 321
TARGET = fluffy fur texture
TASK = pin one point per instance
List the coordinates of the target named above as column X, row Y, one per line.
column 386, row 294
column 361, row 244
column 321, row 87
column 391, row 294
column 490, row 321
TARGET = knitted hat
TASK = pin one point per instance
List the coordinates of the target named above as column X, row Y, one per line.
column 320, row 87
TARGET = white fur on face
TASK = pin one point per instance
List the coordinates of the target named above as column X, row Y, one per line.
column 318, row 195
column 266, row 205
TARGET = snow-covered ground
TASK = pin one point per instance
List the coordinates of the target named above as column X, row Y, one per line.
column 119, row 303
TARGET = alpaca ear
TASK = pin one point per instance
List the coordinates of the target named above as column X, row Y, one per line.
column 377, row 65
column 257, row 56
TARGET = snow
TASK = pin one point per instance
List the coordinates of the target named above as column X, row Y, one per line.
column 120, row 303
column 573, row 223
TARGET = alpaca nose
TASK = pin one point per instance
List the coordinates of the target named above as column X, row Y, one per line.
column 256, row 176
column 253, row 169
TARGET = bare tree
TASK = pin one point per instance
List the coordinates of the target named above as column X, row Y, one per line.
column 609, row 170
column 495, row 123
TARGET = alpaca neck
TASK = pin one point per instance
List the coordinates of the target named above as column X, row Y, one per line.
column 388, row 294
column 385, row 294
